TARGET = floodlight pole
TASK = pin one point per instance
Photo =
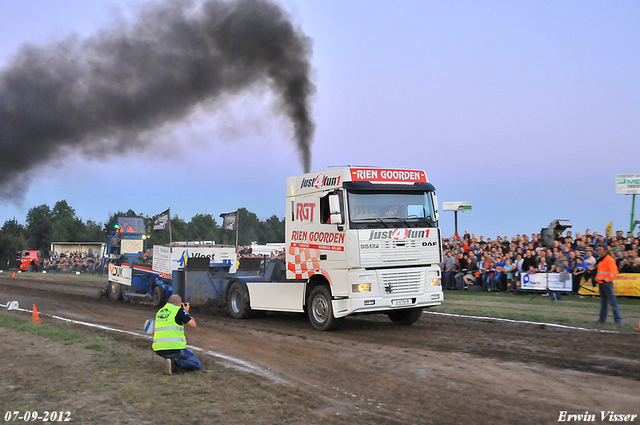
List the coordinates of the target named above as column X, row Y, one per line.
column 633, row 208
column 455, row 215
column 455, row 207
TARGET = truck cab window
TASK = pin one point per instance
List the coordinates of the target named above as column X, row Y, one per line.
column 379, row 209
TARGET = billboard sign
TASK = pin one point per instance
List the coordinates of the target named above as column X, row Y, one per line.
column 627, row 184
column 456, row 206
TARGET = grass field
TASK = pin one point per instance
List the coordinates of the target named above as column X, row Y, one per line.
column 570, row 310
column 95, row 379
column 72, row 276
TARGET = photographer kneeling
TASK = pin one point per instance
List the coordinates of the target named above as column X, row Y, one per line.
column 169, row 340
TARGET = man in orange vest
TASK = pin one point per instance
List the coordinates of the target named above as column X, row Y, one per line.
column 606, row 272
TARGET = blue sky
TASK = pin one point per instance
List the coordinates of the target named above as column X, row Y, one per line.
column 526, row 109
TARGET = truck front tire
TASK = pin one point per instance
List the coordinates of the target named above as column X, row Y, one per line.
column 115, row 291
column 320, row 309
column 405, row 317
column 238, row 301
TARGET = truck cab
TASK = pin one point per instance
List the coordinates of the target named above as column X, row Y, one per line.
column 358, row 241
column 26, row 259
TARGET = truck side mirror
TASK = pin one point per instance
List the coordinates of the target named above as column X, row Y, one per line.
column 435, row 207
column 335, row 219
column 334, row 204
column 335, row 214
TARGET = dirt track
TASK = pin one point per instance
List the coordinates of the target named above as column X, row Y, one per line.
column 440, row 370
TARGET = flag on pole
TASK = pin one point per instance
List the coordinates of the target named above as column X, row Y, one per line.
column 609, row 229
column 163, row 220
column 230, row 220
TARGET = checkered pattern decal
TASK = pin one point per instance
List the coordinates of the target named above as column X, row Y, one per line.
column 303, row 261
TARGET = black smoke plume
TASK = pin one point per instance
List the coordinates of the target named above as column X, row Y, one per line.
column 104, row 92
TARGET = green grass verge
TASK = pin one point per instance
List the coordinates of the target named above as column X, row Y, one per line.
column 100, row 379
column 72, row 276
column 570, row 310
column 55, row 333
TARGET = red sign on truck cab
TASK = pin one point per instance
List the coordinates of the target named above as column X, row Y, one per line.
column 388, row 175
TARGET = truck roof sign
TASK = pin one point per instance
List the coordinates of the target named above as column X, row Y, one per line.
column 385, row 175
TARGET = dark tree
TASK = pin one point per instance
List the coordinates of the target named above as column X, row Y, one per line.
column 13, row 238
column 40, row 229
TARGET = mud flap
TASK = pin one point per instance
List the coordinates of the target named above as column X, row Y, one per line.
column 340, row 308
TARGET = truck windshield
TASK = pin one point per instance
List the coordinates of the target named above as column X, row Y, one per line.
column 376, row 209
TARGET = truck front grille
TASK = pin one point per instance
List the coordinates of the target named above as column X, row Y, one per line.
column 401, row 253
column 402, row 282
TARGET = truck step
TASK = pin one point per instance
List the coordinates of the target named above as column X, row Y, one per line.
column 135, row 295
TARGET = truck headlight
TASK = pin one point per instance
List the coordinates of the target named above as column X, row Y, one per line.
column 361, row 287
column 435, row 281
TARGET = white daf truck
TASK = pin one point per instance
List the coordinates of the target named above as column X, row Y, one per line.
column 359, row 240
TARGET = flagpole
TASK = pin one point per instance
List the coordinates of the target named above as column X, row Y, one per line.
column 170, row 237
column 237, row 227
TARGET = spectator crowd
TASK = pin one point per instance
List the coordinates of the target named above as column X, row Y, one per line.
column 497, row 265
column 67, row 262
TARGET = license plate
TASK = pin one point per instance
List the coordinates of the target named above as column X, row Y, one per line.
column 406, row 301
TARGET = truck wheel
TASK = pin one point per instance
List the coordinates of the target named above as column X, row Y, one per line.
column 115, row 291
column 320, row 309
column 405, row 317
column 238, row 301
column 158, row 296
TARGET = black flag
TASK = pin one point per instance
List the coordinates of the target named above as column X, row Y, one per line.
column 163, row 220
column 230, row 221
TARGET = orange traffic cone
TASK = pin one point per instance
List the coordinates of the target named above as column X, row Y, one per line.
column 638, row 328
column 36, row 317
column 14, row 274
column 38, row 276
column 68, row 277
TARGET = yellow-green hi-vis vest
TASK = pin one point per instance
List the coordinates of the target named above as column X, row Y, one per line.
column 168, row 335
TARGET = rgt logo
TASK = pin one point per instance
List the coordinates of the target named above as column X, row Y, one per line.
column 304, row 211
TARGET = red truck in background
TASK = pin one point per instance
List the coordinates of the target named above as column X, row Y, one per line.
column 24, row 259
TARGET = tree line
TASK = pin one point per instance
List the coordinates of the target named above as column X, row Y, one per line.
column 45, row 225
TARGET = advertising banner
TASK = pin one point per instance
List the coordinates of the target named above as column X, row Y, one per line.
column 119, row 274
column 560, row 282
column 627, row 184
column 624, row 285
